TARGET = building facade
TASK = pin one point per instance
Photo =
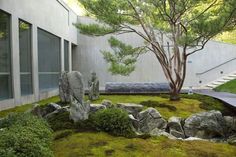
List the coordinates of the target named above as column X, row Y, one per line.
column 36, row 42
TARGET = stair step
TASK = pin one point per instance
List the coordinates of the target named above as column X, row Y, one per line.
column 232, row 75
column 228, row 78
column 222, row 81
column 211, row 86
column 217, row 83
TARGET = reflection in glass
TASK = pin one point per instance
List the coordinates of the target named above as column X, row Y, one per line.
column 5, row 57
column 25, row 58
column 48, row 60
column 66, row 55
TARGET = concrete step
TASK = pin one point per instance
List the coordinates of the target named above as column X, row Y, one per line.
column 210, row 86
column 221, row 80
column 228, row 78
column 217, row 83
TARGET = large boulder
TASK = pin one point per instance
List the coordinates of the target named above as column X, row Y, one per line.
column 149, row 120
column 64, row 89
column 133, row 109
column 79, row 110
column 232, row 140
column 43, row 111
column 175, row 127
column 205, row 125
column 76, row 85
column 230, row 124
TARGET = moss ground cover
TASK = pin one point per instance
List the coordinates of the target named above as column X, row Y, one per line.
column 73, row 143
column 103, row 145
column 227, row 87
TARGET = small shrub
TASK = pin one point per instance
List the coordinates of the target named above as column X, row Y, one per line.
column 25, row 135
column 114, row 121
column 154, row 104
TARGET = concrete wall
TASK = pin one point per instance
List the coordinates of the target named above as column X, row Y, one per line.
column 50, row 15
column 88, row 58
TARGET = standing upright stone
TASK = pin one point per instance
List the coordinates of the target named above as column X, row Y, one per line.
column 76, row 85
column 93, row 86
column 79, row 110
column 64, row 89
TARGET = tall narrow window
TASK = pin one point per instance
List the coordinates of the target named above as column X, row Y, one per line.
column 66, row 55
column 48, row 60
column 25, row 58
column 5, row 57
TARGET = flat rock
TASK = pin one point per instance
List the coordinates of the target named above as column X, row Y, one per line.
column 42, row 111
column 133, row 109
column 158, row 132
column 107, row 103
column 96, row 107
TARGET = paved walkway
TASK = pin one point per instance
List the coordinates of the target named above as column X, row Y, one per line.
column 226, row 97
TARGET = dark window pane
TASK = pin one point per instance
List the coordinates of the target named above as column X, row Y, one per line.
column 26, row 84
column 66, row 55
column 5, row 57
column 25, row 58
column 48, row 60
column 48, row 81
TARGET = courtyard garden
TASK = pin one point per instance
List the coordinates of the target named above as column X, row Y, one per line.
column 59, row 136
column 146, row 117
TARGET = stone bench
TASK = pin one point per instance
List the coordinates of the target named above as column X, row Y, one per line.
column 123, row 87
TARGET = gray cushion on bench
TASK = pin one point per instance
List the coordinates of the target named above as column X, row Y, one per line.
column 123, row 87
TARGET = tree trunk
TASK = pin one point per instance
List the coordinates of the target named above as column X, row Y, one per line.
column 175, row 96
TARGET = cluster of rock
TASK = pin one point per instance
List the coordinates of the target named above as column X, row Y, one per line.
column 205, row 125
column 210, row 125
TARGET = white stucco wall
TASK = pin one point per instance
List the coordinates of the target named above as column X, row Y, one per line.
column 53, row 16
column 88, row 58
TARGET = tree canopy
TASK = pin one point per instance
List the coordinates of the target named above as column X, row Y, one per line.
column 171, row 29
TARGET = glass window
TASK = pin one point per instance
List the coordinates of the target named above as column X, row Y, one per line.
column 48, row 60
column 25, row 58
column 5, row 57
column 66, row 55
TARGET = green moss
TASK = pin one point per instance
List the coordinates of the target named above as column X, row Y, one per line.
column 102, row 145
column 26, row 107
column 227, row 87
column 184, row 107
